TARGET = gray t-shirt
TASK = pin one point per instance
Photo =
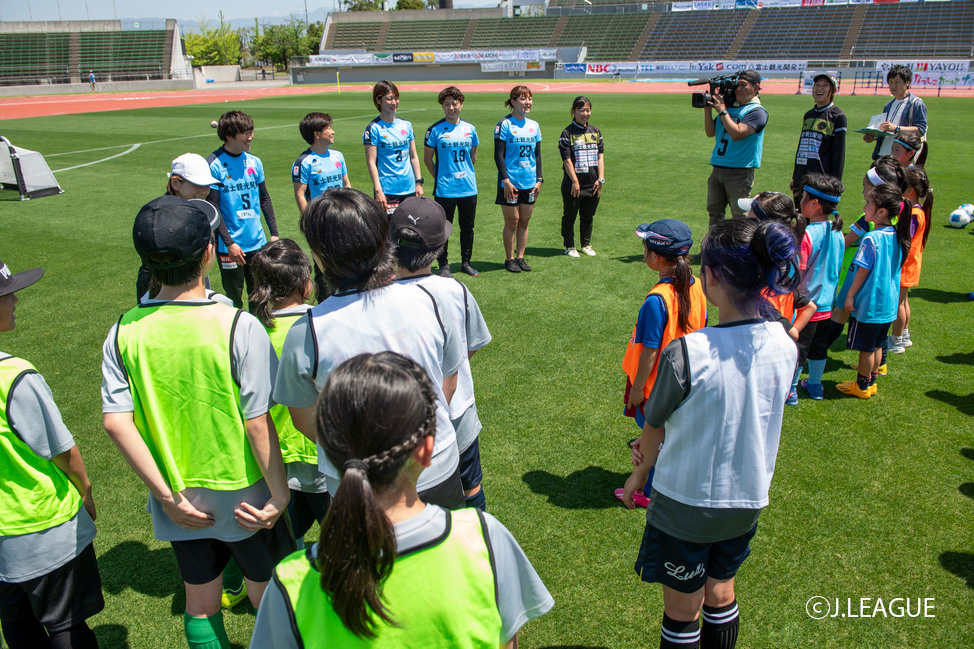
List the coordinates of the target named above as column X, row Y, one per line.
column 256, row 364
column 35, row 418
column 521, row 595
column 694, row 524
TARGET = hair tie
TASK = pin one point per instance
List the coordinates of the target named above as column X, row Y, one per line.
column 355, row 463
column 901, row 206
column 874, row 178
column 832, row 198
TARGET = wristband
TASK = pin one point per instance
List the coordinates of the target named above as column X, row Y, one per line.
column 722, row 113
column 420, row 181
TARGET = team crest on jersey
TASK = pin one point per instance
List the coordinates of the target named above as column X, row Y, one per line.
column 338, row 165
column 403, row 132
column 249, row 164
column 497, row 129
column 296, row 170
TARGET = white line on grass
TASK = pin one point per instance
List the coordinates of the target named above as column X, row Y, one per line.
column 191, row 137
column 88, row 164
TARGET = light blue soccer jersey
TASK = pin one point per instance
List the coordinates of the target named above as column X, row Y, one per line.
column 391, row 142
column 521, row 137
column 740, row 154
column 879, row 295
column 319, row 172
column 821, row 277
column 239, row 197
column 455, row 177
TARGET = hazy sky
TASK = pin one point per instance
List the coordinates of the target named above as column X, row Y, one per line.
column 179, row 9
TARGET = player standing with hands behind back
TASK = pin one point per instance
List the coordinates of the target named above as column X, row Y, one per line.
column 581, row 151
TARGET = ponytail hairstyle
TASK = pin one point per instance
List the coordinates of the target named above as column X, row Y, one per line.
column 349, row 232
column 682, row 279
column 751, row 259
column 817, row 186
column 516, row 93
column 373, row 411
column 889, row 169
column 778, row 207
column 280, row 270
column 910, row 140
column 888, row 198
column 920, row 183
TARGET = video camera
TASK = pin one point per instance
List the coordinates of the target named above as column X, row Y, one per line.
column 725, row 86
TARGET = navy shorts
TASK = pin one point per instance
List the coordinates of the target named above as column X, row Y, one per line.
column 866, row 336
column 201, row 561
column 685, row 566
column 521, row 197
column 471, row 473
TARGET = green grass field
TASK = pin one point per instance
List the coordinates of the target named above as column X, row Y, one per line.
column 870, row 499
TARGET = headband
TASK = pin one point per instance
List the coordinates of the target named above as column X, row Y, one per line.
column 905, row 145
column 829, row 197
column 759, row 212
column 874, row 178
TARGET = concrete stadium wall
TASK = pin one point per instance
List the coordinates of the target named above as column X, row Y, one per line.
column 406, row 72
column 218, row 73
column 113, row 86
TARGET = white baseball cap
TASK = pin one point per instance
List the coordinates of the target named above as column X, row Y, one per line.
column 192, row 167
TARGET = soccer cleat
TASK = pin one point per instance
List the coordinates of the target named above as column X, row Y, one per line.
column 873, row 389
column 445, row 271
column 571, row 252
column 230, row 598
column 588, row 251
column 815, row 390
column 523, row 265
column 512, row 266
column 895, row 345
column 639, row 499
column 852, row 388
column 792, row 399
column 465, row 267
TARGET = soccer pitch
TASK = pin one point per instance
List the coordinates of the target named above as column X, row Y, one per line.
column 870, row 499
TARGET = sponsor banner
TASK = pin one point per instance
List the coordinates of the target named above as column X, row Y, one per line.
column 382, row 58
column 610, row 68
column 813, row 3
column 466, row 56
column 836, row 2
column 507, row 55
column 932, row 80
column 536, row 66
column 665, row 66
column 931, row 67
column 488, row 56
column 703, row 5
column 444, row 57
column 511, row 66
column 548, row 54
column 776, row 66
column 575, row 68
column 528, row 55
column 423, row 57
column 860, row 2
column 715, row 68
column 725, row 4
column 746, row 4
column 808, row 79
column 361, row 59
column 884, row 1
column 402, row 57
column 681, row 6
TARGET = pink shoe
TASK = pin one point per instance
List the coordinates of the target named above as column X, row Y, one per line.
column 638, row 498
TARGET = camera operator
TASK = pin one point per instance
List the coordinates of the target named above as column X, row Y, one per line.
column 739, row 130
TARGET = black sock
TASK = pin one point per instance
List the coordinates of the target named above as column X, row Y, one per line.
column 679, row 635
column 77, row 637
column 862, row 381
column 885, row 349
column 872, row 378
column 720, row 624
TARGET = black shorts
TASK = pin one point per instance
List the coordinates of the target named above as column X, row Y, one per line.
column 685, row 566
column 521, row 197
column 448, row 494
column 393, row 200
column 471, row 473
column 201, row 561
column 866, row 336
column 61, row 599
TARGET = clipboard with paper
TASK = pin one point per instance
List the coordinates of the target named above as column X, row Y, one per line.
column 873, row 127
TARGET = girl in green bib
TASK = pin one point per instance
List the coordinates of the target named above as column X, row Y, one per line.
column 460, row 578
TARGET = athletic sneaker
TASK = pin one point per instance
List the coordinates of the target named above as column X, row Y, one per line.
column 895, row 345
column 852, row 388
column 445, row 271
column 571, row 252
column 815, row 390
column 231, row 598
column 588, row 251
column 639, row 499
column 465, row 267
column 512, row 266
column 523, row 265
column 792, row 399
column 905, row 339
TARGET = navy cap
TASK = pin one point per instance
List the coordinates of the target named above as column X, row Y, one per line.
column 173, row 227
column 667, row 236
column 419, row 222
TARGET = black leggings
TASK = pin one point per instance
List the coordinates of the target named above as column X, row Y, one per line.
column 466, row 208
column 583, row 206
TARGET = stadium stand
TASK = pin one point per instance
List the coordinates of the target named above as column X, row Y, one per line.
column 429, row 34
column 29, row 58
column 125, row 55
column 608, row 37
column 787, row 33
column 513, row 32
column 354, row 36
column 693, row 35
column 924, row 30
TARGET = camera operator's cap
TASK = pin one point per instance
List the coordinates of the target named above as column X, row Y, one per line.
column 11, row 282
column 193, row 167
column 832, row 80
column 668, row 236
column 426, row 218
column 172, row 226
column 751, row 76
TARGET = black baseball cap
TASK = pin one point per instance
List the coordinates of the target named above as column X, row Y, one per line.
column 174, row 228
column 751, row 76
column 11, row 282
column 424, row 217
column 667, row 236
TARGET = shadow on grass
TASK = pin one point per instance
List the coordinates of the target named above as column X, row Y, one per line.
column 967, row 489
column 590, row 488
column 958, row 359
column 543, row 252
column 964, row 404
column 939, row 297
column 968, row 453
column 630, row 259
column 131, row 564
column 112, row 635
column 960, row 564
